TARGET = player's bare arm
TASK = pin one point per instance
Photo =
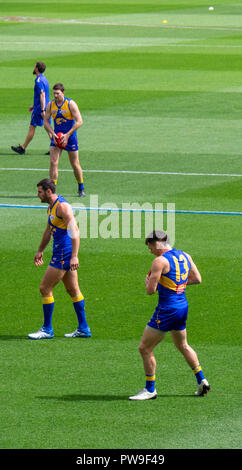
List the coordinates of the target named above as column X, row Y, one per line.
column 159, row 266
column 42, row 101
column 38, row 258
column 76, row 115
column 194, row 276
column 47, row 125
column 65, row 211
column 78, row 122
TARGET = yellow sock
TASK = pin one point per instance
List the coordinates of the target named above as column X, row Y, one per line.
column 79, row 298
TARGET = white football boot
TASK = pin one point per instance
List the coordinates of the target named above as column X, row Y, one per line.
column 202, row 388
column 43, row 333
column 79, row 333
column 144, row 395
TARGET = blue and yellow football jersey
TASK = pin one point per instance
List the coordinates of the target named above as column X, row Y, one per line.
column 62, row 116
column 61, row 238
column 171, row 286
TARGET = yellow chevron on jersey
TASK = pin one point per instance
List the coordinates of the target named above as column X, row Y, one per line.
column 61, row 114
column 169, row 284
column 54, row 220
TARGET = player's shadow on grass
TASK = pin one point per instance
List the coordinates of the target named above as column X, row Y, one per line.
column 14, row 154
column 11, row 337
column 18, row 197
column 90, row 397
column 85, row 397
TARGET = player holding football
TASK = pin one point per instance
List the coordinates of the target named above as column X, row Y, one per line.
column 41, row 99
column 64, row 262
column 67, row 119
column 171, row 271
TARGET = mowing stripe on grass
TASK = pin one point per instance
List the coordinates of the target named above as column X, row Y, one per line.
column 118, row 209
column 133, row 172
column 119, row 44
column 26, row 19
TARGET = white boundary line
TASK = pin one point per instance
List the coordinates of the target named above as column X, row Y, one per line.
column 133, row 172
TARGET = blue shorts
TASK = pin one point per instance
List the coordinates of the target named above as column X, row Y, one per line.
column 61, row 261
column 72, row 144
column 169, row 318
column 36, row 119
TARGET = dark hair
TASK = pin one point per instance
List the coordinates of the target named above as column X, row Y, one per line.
column 46, row 183
column 40, row 66
column 157, row 236
column 59, row 86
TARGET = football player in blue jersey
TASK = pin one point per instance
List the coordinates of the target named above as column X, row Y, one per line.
column 170, row 272
column 64, row 262
column 67, row 119
column 41, row 99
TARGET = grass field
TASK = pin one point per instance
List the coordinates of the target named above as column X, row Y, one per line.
column 162, row 124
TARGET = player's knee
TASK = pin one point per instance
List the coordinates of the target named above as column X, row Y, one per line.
column 70, row 291
column 142, row 349
column 31, row 131
column 54, row 161
column 75, row 165
column 73, row 291
column 44, row 290
column 183, row 347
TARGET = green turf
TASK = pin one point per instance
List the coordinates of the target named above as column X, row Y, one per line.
column 156, row 98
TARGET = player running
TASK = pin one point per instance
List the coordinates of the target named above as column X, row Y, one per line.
column 171, row 271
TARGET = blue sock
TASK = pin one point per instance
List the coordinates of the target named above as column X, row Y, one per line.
column 198, row 373
column 79, row 306
column 150, row 383
column 48, row 307
column 81, row 185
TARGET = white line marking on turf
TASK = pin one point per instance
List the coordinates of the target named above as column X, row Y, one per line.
column 159, row 173
column 107, row 44
column 176, row 173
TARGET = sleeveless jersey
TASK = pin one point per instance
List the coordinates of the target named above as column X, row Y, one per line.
column 62, row 116
column 61, row 238
column 171, row 286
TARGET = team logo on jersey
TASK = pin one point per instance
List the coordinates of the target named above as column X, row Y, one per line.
column 59, row 120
